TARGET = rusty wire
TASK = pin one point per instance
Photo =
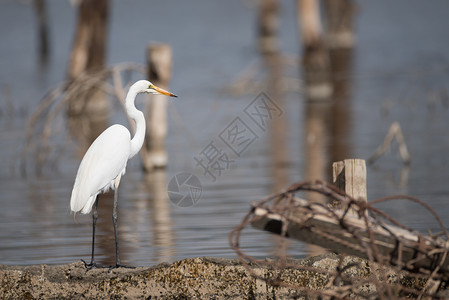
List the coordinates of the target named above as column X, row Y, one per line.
column 428, row 262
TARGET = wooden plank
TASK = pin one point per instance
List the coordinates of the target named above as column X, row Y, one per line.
column 317, row 226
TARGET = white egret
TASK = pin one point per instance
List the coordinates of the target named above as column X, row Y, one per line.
column 105, row 161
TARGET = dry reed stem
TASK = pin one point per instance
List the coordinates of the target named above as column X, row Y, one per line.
column 394, row 132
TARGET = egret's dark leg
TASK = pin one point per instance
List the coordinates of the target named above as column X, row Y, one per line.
column 94, row 224
column 114, row 221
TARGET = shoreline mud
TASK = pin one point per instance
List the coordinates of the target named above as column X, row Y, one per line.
column 197, row 278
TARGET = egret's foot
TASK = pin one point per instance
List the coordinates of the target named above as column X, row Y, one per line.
column 91, row 265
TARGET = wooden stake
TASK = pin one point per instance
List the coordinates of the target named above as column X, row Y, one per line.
column 339, row 15
column 308, row 13
column 88, row 55
column 349, row 176
column 268, row 24
column 40, row 6
column 159, row 60
column 315, row 56
column 89, row 45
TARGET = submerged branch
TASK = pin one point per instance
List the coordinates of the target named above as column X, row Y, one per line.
column 394, row 132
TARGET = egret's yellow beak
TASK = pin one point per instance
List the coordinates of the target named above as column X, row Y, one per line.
column 162, row 91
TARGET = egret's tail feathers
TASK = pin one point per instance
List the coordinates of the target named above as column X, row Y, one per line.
column 88, row 207
column 81, row 203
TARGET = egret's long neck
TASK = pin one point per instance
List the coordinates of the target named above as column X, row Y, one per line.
column 137, row 116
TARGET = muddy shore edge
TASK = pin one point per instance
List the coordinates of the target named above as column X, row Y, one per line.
column 202, row 278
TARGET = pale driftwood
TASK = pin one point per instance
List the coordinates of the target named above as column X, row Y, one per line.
column 315, row 224
column 159, row 59
column 354, row 233
column 378, row 238
column 394, row 132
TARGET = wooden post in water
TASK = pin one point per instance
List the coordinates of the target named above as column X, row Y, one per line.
column 349, row 176
column 88, row 116
column 159, row 60
column 340, row 23
column 268, row 24
column 308, row 13
column 315, row 57
column 40, row 6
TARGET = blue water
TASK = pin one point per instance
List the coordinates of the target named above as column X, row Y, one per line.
column 399, row 73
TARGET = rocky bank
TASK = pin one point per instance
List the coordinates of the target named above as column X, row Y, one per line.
column 196, row 278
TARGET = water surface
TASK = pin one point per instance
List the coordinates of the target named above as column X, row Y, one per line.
column 399, row 73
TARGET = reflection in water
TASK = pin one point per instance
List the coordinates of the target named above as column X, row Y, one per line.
column 328, row 120
column 278, row 126
column 268, row 23
column 278, row 138
column 42, row 199
column 317, row 132
column 341, row 117
column 162, row 224
column 327, row 117
column 272, row 58
column 35, row 222
column 316, row 142
column 395, row 177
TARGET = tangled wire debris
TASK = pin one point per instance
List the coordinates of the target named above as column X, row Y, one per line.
column 355, row 228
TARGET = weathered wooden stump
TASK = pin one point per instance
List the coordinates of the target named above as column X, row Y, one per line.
column 159, row 60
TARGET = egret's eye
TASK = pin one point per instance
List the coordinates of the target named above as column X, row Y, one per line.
column 151, row 87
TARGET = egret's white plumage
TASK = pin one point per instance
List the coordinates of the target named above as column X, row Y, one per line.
column 105, row 161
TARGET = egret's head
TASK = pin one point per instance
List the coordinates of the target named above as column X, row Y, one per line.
column 144, row 86
column 152, row 89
